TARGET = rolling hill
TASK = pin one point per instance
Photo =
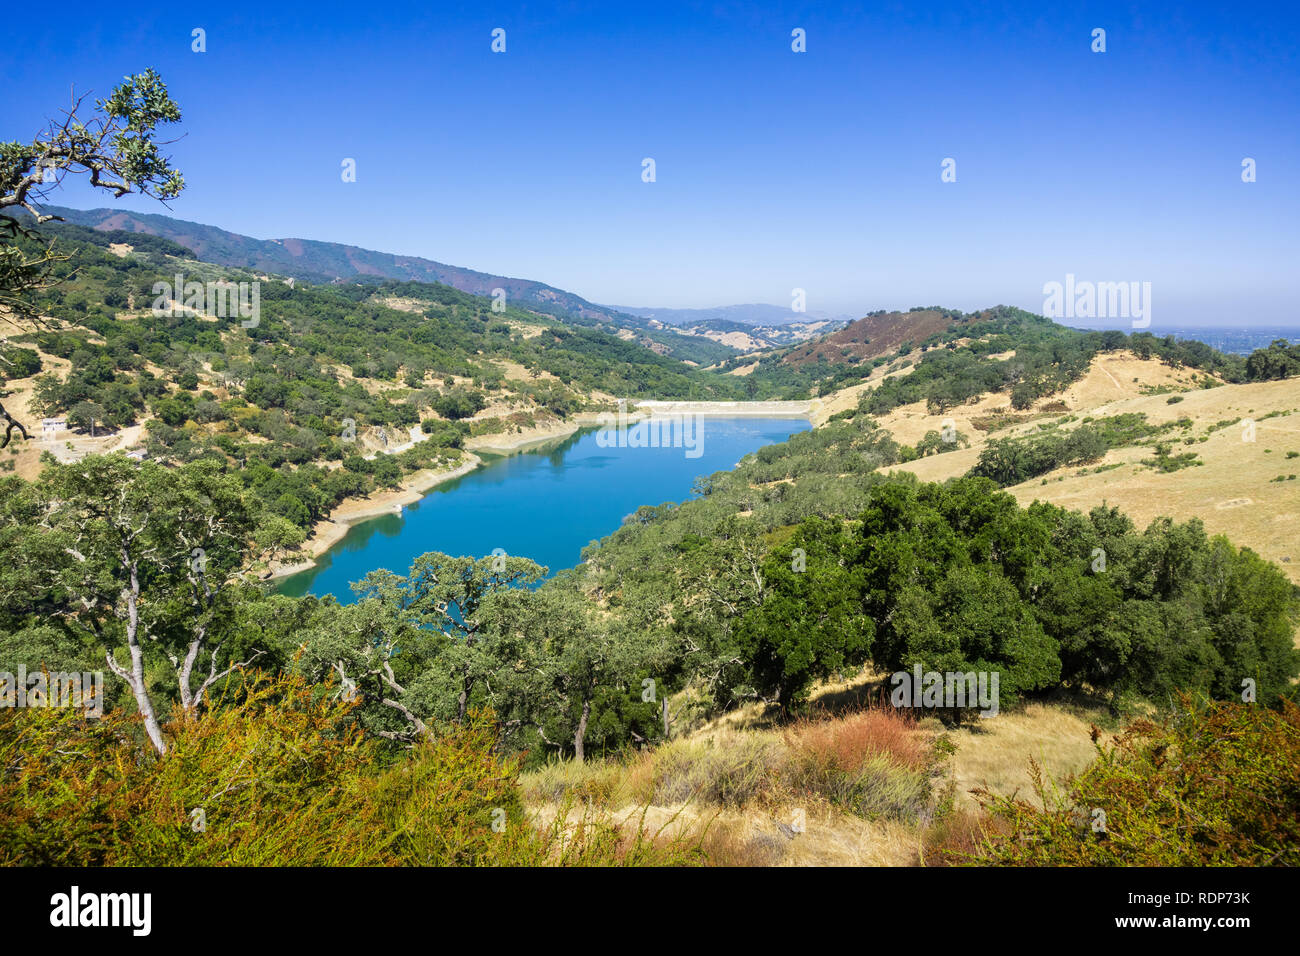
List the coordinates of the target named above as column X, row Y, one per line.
column 309, row 260
column 312, row 261
column 875, row 335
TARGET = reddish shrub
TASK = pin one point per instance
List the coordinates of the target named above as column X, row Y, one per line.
column 847, row 743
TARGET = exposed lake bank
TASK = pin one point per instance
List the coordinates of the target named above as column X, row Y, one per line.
column 331, row 531
column 772, row 409
column 328, row 533
column 550, row 498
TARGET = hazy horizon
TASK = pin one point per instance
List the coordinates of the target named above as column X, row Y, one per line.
column 1165, row 327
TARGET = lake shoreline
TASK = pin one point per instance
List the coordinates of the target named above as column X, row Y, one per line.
column 768, row 409
column 330, row 531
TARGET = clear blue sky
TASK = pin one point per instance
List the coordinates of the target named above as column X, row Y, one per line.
column 775, row 170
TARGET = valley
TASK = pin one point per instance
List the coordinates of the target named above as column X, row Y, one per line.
column 370, row 427
column 929, row 504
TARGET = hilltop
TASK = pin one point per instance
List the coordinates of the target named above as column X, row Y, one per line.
column 309, row 260
column 752, row 314
column 754, row 338
column 876, row 335
column 313, row 261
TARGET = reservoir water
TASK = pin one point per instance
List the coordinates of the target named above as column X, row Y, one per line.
column 545, row 505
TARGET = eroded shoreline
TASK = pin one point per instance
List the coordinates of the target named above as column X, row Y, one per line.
column 330, row 531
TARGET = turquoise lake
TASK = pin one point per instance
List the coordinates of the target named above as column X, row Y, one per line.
column 546, row 505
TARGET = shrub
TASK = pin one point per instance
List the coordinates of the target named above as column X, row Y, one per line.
column 459, row 403
column 1215, row 785
column 849, row 741
column 872, row 764
column 280, row 780
column 746, row 771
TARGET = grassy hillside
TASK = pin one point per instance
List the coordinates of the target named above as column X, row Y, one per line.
column 331, row 376
column 954, row 358
column 313, row 261
column 1182, row 452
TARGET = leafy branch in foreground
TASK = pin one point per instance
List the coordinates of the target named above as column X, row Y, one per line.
column 273, row 775
column 116, row 146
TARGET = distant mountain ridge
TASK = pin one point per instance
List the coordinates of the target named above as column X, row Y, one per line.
column 313, row 261
column 756, row 313
column 751, row 338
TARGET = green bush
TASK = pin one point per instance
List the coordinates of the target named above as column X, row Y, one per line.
column 280, row 780
column 1216, row 785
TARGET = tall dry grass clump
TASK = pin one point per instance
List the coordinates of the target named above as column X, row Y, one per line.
column 873, row 764
column 865, row 778
column 746, row 769
column 848, row 742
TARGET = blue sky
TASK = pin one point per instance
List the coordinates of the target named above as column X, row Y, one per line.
column 775, row 170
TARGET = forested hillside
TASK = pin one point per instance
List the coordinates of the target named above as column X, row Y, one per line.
column 954, row 357
column 330, row 373
column 322, row 262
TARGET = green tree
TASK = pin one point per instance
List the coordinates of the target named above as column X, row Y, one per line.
column 116, row 147
column 810, row 625
column 139, row 560
column 565, row 669
column 446, row 594
column 86, row 415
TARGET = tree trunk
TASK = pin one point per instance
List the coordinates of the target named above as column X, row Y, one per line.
column 187, row 669
column 581, row 732
column 135, row 678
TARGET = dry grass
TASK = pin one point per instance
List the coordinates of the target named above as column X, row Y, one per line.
column 1121, row 375
column 846, row 398
column 1232, row 491
column 995, row 753
column 850, row 790
column 743, row 840
column 737, row 772
column 842, row 840
column 955, row 838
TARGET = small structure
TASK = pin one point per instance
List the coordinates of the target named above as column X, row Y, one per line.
column 50, row 427
column 139, row 454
